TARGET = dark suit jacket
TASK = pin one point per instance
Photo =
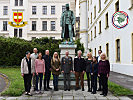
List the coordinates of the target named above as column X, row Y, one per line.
column 79, row 64
column 67, row 64
column 47, row 63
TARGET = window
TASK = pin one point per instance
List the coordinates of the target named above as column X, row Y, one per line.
column 99, row 27
column 91, row 17
column 4, row 25
column 21, row 3
column 20, row 32
column 44, row 25
column 100, row 48
column 132, row 47
column 52, row 25
column 117, row 6
column 16, row 2
column 88, row 5
column 33, row 25
column 33, row 9
column 33, row 38
column 5, row 10
column 118, row 50
column 88, row 38
column 15, row 32
column 95, row 32
column 52, row 9
column 88, row 23
column 63, row 8
column 95, row 52
column 91, row 36
column 44, row 10
column 91, row 1
column 106, row 21
column 99, row 5
column 94, row 12
column 107, row 50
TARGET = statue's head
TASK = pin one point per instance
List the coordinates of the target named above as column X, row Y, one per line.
column 67, row 6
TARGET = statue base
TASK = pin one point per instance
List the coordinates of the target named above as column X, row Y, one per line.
column 71, row 48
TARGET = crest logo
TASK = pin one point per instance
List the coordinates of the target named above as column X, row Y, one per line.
column 120, row 19
column 17, row 20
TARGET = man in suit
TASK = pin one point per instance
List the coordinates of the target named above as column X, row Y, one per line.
column 67, row 68
column 47, row 59
column 98, row 59
column 79, row 70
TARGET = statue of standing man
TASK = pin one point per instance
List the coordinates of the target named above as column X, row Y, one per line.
column 67, row 24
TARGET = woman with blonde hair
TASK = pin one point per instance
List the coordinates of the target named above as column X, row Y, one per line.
column 88, row 62
column 103, row 72
column 56, row 69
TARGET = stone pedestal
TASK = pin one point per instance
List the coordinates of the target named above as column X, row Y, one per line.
column 71, row 49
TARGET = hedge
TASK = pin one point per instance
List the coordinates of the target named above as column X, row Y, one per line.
column 13, row 49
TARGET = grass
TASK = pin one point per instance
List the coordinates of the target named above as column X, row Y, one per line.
column 16, row 87
column 118, row 90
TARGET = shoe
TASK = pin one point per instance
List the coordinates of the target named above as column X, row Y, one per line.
column 93, row 92
column 45, row 89
column 26, row 93
column 29, row 94
column 37, row 92
column 101, row 94
column 68, row 89
column 105, row 95
column 65, row 89
column 49, row 88
column 76, row 88
column 83, row 89
column 99, row 89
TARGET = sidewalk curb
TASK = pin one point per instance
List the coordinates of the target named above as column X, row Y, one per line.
column 7, row 81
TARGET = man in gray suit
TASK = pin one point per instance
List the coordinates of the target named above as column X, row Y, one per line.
column 67, row 68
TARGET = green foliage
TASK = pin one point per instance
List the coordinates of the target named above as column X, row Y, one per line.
column 14, row 49
column 80, row 46
column 16, row 87
column 118, row 90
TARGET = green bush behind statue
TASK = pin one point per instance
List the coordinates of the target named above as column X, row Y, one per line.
column 13, row 49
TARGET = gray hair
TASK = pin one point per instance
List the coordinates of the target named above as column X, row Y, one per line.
column 79, row 51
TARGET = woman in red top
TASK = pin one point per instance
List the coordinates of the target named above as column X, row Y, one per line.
column 40, row 70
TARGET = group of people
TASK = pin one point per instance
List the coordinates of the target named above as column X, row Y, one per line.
column 34, row 66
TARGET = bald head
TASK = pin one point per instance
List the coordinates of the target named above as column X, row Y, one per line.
column 35, row 50
column 47, row 52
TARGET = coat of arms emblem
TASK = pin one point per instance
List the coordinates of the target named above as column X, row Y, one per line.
column 18, row 20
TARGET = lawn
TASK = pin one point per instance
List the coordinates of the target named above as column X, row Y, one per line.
column 16, row 87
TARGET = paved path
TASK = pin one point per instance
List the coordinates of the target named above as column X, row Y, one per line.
column 3, row 83
column 123, row 80
column 66, row 95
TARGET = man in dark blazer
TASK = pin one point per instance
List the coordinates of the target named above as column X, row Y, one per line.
column 98, row 59
column 47, row 59
column 67, row 68
column 79, row 70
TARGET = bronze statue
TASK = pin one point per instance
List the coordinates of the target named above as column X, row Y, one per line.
column 67, row 24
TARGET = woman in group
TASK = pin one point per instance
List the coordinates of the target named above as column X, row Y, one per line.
column 40, row 70
column 27, row 69
column 56, row 69
column 94, row 74
column 88, row 62
column 103, row 72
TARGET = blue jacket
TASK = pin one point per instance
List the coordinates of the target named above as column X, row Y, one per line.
column 95, row 68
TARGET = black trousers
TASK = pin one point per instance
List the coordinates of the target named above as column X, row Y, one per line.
column 88, row 79
column 27, row 82
column 100, row 84
column 94, row 82
column 104, row 82
column 47, row 79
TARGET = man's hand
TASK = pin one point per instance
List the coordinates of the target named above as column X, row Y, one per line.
column 33, row 74
column 36, row 73
column 22, row 75
column 71, row 71
column 83, row 72
column 99, row 75
column 62, row 71
column 57, row 69
column 91, row 73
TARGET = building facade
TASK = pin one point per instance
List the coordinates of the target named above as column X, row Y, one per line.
column 116, row 43
column 43, row 17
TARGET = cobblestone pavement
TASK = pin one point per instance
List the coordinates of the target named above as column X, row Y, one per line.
column 66, row 95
